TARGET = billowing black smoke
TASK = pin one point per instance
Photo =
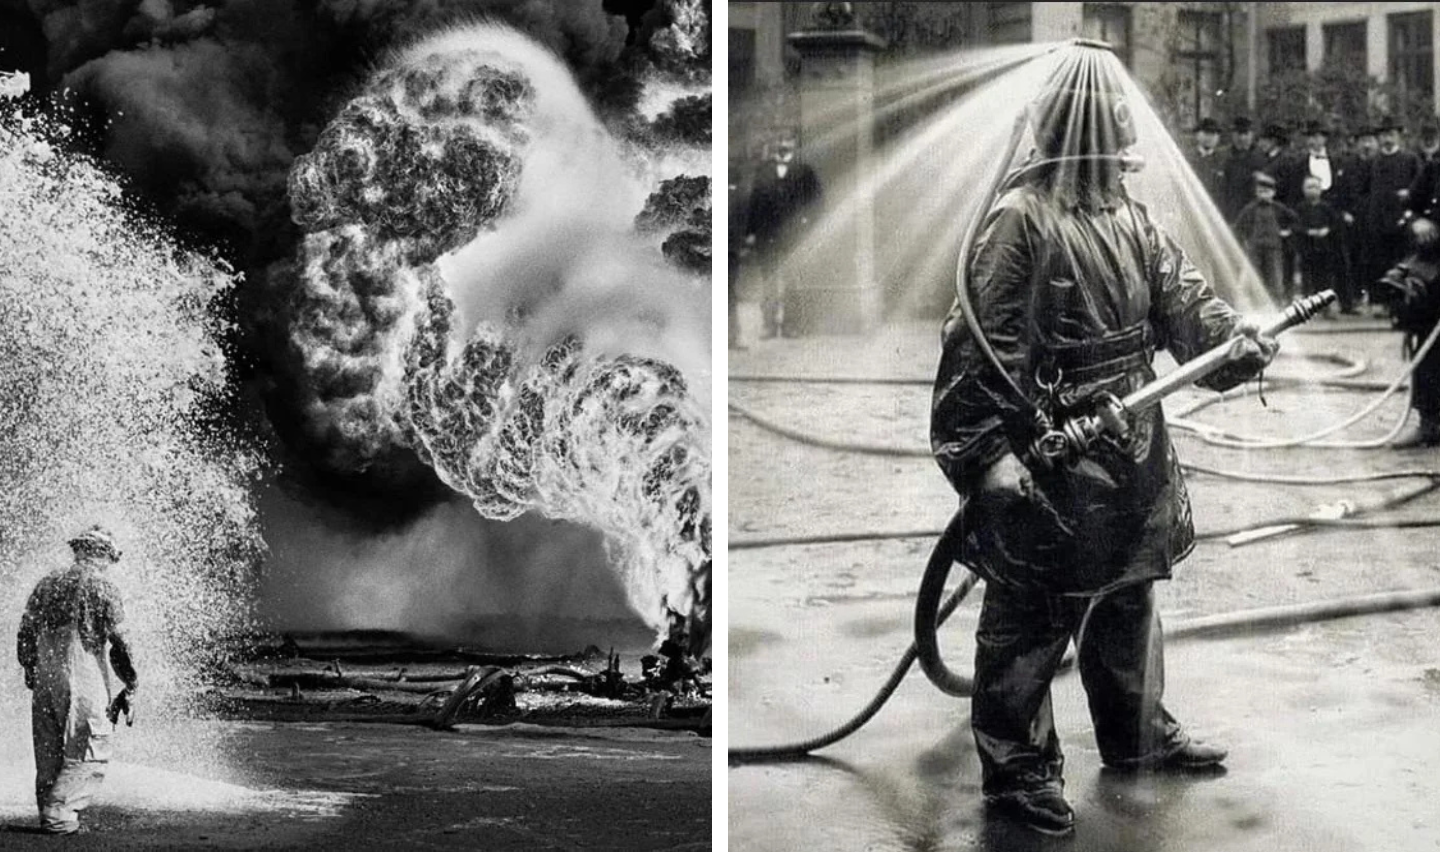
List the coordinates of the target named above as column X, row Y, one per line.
column 204, row 106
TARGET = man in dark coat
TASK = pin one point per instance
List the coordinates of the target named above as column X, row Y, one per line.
column 1347, row 196
column 1073, row 284
column 782, row 201
column 1429, row 148
column 1207, row 160
column 1279, row 162
column 1241, row 163
column 1314, row 161
column 1392, row 171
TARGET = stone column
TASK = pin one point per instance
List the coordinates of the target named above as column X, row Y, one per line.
column 833, row 289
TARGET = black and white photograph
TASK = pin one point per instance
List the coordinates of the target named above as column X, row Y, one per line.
column 1083, row 426
column 355, row 424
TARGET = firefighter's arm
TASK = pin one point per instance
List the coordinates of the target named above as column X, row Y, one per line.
column 26, row 649
column 1192, row 319
column 117, row 633
column 972, row 405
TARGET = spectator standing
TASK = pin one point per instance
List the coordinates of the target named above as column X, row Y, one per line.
column 1392, row 172
column 1347, row 196
column 782, row 201
column 1206, row 159
column 1317, row 239
column 1314, row 162
column 1429, row 147
column 1242, row 161
column 1263, row 228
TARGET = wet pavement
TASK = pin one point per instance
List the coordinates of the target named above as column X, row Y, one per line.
column 376, row 786
column 1333, row 727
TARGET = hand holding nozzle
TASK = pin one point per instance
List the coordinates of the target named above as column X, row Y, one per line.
column 121, row 704
column 1254, row 343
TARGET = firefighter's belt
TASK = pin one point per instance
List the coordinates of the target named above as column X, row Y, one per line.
column 1101, row 357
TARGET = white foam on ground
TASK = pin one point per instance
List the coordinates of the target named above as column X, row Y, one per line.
column 147, row 789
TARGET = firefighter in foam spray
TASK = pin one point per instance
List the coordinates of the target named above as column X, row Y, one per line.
column 1073, row 288
column 72, row 616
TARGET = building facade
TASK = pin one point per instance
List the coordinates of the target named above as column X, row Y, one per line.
column 1195, row 59
column 1393, row 42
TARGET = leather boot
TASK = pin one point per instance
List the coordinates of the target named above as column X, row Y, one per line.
column 1195, row 755
column 1425, row 434
column 1038, row 806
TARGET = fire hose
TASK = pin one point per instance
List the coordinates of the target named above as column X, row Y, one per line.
column 1245, row 621
column 931, row 612
column 1058, row 445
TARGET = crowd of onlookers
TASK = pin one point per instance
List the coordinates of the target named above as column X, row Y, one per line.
column 1325, row 213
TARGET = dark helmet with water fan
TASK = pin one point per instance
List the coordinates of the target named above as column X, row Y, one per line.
column 1082, row 108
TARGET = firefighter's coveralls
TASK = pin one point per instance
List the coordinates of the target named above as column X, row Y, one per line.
column 70, row 618
column 1078, row 294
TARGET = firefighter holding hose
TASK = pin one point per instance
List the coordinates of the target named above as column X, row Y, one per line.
column 72, row 616
column 1073, row 288
column 1414, row 286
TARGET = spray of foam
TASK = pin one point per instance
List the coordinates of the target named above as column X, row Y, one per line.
column 110, row 369
column 477, row 291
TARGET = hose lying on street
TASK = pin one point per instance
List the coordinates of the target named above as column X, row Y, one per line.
column 1222, row 624
column 931, row 612
column 1220, row 437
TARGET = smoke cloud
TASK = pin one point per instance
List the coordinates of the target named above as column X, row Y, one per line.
column 545, row 397
column 205, row 106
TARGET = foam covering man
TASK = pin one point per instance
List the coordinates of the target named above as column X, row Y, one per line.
column 72, row 615
column 1075, row 288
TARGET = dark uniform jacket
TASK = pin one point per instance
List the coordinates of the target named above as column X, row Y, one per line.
column 1095, row 291
column 1281, row 165
column 1211, row 171
column 1238, row 185
column 1389, row 173
column 1352, row 184
column 776, row 202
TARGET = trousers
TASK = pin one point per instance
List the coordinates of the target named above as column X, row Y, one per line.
column 71, row 733
column 1020, row 642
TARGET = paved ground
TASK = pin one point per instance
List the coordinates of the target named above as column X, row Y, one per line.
column 367, row 786
column 1334, row 728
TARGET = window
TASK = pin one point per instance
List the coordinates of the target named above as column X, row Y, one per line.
column 1009, row 22
column 1197, row 62
column 1109, row 23
column 1412, row 56
column 1287, row 49
column 1345, row 45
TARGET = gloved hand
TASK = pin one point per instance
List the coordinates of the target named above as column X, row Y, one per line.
column 1007, row 479
column 121, row 704
column 1254, row 350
